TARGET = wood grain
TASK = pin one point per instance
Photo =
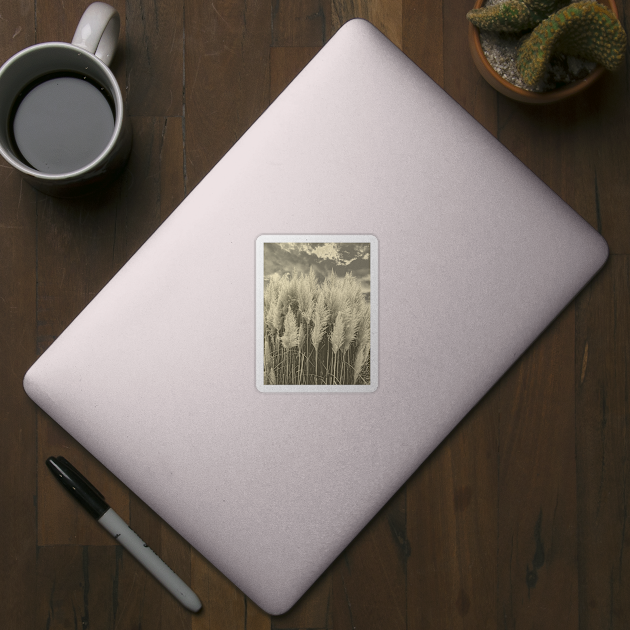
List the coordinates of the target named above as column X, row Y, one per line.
column 151, row 187
column 369, row 579
column 154, row 57
column 76, row 587
column 18, row 416
column 300, row 22
column 386, row 15
column 422, row 36
column 602, row 380
column 452, row 515
column 226, row 78
column 18, row 324
column 609, row 135
column 461, row 79
column 285, row 64
column 537, row 537
column 518, row 520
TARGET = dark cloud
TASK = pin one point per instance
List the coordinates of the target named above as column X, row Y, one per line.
column 339, row 258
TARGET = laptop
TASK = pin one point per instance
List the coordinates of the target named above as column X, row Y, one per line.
column 316, row 316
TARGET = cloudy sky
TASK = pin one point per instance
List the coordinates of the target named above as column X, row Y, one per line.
column 341, row 258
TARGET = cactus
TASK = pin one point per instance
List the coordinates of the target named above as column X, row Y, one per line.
column 513, row 16
column 583, row 29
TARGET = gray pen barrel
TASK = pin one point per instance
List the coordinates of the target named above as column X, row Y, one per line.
column 149, row 559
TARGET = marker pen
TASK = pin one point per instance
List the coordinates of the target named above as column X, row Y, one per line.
column 94, row 502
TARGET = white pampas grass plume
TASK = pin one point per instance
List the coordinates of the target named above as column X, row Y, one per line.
column 351, row 323
column 290, row 337
column 305, row 298
column 336, row 337
column 363, row 330
column 320, row 321
column 276, row 316
column 332, row 290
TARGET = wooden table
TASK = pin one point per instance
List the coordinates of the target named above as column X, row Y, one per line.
column 518, row 520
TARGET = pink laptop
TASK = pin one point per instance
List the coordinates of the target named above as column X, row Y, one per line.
column 316, row 316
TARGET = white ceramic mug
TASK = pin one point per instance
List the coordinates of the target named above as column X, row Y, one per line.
column 88, row 58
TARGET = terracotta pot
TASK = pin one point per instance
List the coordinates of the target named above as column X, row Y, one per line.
column 508, row 89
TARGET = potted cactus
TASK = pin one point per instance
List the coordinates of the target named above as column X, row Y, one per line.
column 557, row 49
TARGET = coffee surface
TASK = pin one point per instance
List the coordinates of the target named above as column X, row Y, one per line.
column 62, row 124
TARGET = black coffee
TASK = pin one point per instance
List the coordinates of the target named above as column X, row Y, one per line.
column 62, row 123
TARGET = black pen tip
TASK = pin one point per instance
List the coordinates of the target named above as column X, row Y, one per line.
column 80, row 488
column 51, row 462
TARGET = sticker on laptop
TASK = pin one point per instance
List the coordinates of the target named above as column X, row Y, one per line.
column 316, row 313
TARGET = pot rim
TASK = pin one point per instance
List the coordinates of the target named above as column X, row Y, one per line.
column 512, row 91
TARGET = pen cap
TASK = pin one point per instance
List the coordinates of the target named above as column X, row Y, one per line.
column 78, row 486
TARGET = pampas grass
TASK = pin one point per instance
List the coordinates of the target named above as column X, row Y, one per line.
column 316, row 333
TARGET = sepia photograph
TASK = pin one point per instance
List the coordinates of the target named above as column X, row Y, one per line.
column 317, row 315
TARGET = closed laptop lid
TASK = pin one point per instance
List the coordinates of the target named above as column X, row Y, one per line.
column 461, row 255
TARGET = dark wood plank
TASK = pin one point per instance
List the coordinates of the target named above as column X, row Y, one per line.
column 386, row 15
column 461, row 78
column 575, row 147
column 18, row 415
column 57, row 22
column 154, row 57
column 226, row 78
column 18, row 419
column 76, row 587
column 608, row 128
column 603, row 444
column 17, row 27
column 300, row 23
column 18, row 488
column 422, row 36
column 555, row 143
column 152, row 185
column 537, row 538
column 369, row 587
column 572, row 146
column 285, row 64
column 171, row 159
column 452, row 527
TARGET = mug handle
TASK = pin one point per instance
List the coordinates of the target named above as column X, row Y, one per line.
column 98, row 30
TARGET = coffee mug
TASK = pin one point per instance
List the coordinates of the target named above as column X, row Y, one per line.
column 62, row 115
